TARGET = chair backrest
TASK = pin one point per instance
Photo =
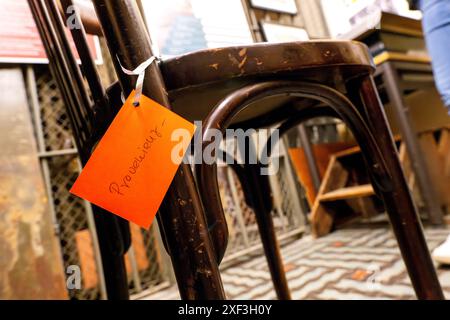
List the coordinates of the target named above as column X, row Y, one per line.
column 129, row 45
column 89, row 121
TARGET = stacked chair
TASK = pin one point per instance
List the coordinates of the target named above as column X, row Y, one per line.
column 254, row 86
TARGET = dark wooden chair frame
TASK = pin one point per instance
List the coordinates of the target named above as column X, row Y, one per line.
column 194, row 229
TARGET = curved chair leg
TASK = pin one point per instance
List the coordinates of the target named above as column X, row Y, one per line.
column 256, row 188
column 399, row 203
column 386, row 182
column 186, row 235
column 257, row 192
column 207, row 174
column 262, row 206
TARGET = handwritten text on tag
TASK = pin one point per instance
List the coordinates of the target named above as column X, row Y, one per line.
column 132, row 166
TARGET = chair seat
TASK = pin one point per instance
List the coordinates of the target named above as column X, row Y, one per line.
column 221, row 64
column 219, row 72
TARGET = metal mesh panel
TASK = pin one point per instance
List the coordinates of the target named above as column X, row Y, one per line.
column 241, row 218
column 71, row 217
column 236, row 212
column 71, row 212
column 251, row 227
column 54, row 119
column 293, row 218
column 229, row 209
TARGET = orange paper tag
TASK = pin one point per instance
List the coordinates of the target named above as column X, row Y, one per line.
column 132, row 167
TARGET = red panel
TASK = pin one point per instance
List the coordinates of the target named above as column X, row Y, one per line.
column 19, row 38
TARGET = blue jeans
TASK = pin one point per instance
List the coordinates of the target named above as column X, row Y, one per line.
column 436, row 25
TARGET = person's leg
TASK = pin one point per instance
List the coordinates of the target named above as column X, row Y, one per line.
column 436, row 25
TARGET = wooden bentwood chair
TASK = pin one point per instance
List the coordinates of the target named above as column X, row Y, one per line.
column 252, row 86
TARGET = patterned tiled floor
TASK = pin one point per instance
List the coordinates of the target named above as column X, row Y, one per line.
column 358, row 263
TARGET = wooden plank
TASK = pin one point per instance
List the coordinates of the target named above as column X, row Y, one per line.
column 444, row 150
column 394, row 23
column 403, row 57
column 140, row 251
column 444, row 154
column 86, row 254
column 426, row 110
column 348, row 193
column 366, row 206
column 404, row 25
column 403, row 157
column 409, row 174
column 435, row 166
column 322, row 219
column 139, row 247
column 348, row 152
column 355, row 150
column 322, row 153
